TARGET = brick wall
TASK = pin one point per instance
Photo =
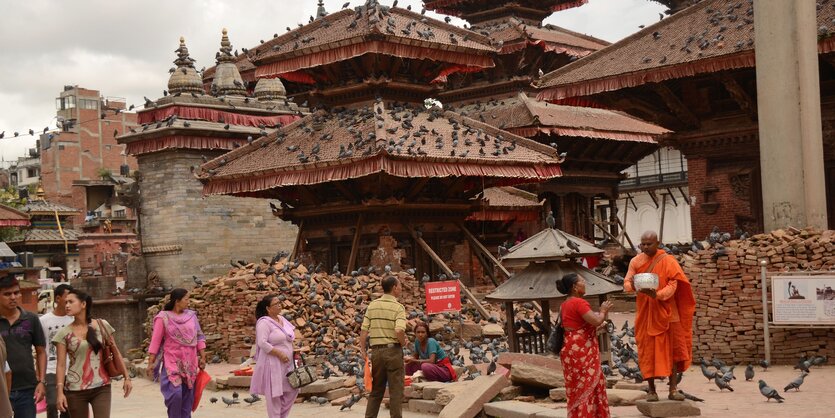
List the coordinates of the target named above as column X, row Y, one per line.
column 711, row 184
column 209, row 230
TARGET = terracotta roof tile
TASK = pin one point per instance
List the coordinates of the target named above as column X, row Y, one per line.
column 10, row 216
column 710, row 36
column 513, row 32
column 396, row 133
column 363, row 26
column 453, row 7
column 510, row 197
column 521, row 113
column 36, row 206
column 35, row 236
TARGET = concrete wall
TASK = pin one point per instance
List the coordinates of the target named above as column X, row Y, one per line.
column 204, row 232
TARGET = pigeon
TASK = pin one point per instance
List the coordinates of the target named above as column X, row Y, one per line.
column 749, row 373
column 491, row 368
column 235, row 395
column 350, row 402
column 552, row 223
column 709, row 374
column 769, row 392
column 252, row 399
column 229, row 402
column 722, row 384
column 764, row 364
column 795, row 384
column 197, row 281
column 690, row 397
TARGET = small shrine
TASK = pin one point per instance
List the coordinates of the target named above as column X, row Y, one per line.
column 544, row 258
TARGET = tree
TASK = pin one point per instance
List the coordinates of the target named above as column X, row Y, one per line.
column 9, row 197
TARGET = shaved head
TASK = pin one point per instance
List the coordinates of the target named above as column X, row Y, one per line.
column 649, row 243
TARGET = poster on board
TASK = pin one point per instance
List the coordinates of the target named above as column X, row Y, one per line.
column 806, row 300
column 443, row 297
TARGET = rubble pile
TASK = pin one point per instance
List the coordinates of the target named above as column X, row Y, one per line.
column 327, row 309
column 726, row 281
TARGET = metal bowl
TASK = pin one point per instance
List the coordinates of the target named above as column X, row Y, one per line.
column 645, row 281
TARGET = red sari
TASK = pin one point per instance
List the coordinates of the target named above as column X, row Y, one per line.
column 585, row 385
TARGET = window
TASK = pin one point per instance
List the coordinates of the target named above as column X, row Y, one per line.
column 119, row 213
column 31, row 172
column 88, row 104
column 63, row 103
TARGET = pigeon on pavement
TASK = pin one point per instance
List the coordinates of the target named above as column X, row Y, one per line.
column 749, row 373
column 795, row 384
column 769, row 392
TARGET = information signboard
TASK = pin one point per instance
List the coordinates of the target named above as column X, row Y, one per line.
column 807, row 300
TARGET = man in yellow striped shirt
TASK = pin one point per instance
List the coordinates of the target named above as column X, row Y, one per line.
column 385, row 322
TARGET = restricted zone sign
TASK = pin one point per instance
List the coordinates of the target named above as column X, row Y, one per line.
column 443, row 297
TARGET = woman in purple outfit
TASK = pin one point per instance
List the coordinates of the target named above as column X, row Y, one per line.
column 177, row 335
column 274, row 337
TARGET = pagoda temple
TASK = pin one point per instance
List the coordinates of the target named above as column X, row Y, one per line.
column 375, row 176
column 694, row 74
column 183, row 232
column 599, row 143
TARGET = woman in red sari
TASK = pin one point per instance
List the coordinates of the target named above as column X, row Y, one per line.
column 585, row 385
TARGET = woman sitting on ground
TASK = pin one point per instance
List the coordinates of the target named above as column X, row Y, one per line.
column 429, row 358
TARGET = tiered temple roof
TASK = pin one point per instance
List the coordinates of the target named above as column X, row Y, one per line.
column 188, row 118
column 480, row 10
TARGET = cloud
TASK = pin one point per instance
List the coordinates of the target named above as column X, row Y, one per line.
column 124, row 49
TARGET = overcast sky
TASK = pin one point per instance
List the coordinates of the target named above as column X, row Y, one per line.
column 124, row 49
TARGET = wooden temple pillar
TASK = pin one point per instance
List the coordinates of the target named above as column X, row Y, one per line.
column 298, row 247
column 613, row 217
column 546, row 317
column 512, row 343
column 355, row 245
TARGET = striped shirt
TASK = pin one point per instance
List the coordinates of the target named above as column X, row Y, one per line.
column 382, row 318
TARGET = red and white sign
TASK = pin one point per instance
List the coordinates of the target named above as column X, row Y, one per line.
column 443, row 297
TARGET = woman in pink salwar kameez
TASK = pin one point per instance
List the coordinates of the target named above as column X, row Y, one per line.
column 274, row 337
column 178, row 336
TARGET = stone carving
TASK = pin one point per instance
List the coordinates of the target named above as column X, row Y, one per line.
column 741, row 185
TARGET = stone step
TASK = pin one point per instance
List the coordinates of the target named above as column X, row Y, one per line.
column 513, row 409
column 668, row 408
column 424, row 406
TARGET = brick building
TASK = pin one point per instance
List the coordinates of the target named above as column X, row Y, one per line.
column 85, row 148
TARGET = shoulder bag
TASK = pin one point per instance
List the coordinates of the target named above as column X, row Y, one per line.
column 557, row 337
column 110, row 357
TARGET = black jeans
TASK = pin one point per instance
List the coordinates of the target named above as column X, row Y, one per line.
column 52, row 398
column 23, row 403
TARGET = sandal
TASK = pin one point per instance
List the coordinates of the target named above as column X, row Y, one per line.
column 652, row 397
column 676, row 396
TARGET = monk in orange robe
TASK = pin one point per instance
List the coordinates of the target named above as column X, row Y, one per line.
column 664, row 320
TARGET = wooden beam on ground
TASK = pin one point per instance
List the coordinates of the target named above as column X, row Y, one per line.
column 355, row 247
column 629, row 240
column 488, row 268
column 299, row 241
column 609, row 234
column 437, row 259
column 482, row 249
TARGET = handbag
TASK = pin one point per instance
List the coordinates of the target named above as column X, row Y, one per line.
column 111, row 359
column 301, row 376
column 557, row 337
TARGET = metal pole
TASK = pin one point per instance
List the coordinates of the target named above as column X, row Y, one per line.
column 766, row 334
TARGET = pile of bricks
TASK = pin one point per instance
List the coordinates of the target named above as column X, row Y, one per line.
column 726, row 281
column 326, row 309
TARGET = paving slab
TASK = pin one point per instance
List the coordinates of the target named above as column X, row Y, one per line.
column 450, row 391
column 424, row 406
column 667, row 408
column 470, row 403
column 322, row 386
column 512, row 409
column 524, row 374
column 555, row 413
column 508, row 359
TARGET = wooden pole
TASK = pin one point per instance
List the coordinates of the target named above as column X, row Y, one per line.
column 437, row 259
column 299, row 241
column 625, row 212
column 355, row 245
column 508, row 328
column 663, row 212
column 546, row 315
column 483, row 250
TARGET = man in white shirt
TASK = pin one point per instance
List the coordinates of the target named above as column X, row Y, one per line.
column 52, row 322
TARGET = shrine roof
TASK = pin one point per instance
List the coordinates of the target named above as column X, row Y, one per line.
column 47, row 236
column 516, row 35
column 538, row 281
column 527, row 116
column 43, row 207
column 397, row 139
column 711, row 36
column 10, row 216
column 452, row 7
column 510, row 197
column 549, row 244
column 371, row 28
